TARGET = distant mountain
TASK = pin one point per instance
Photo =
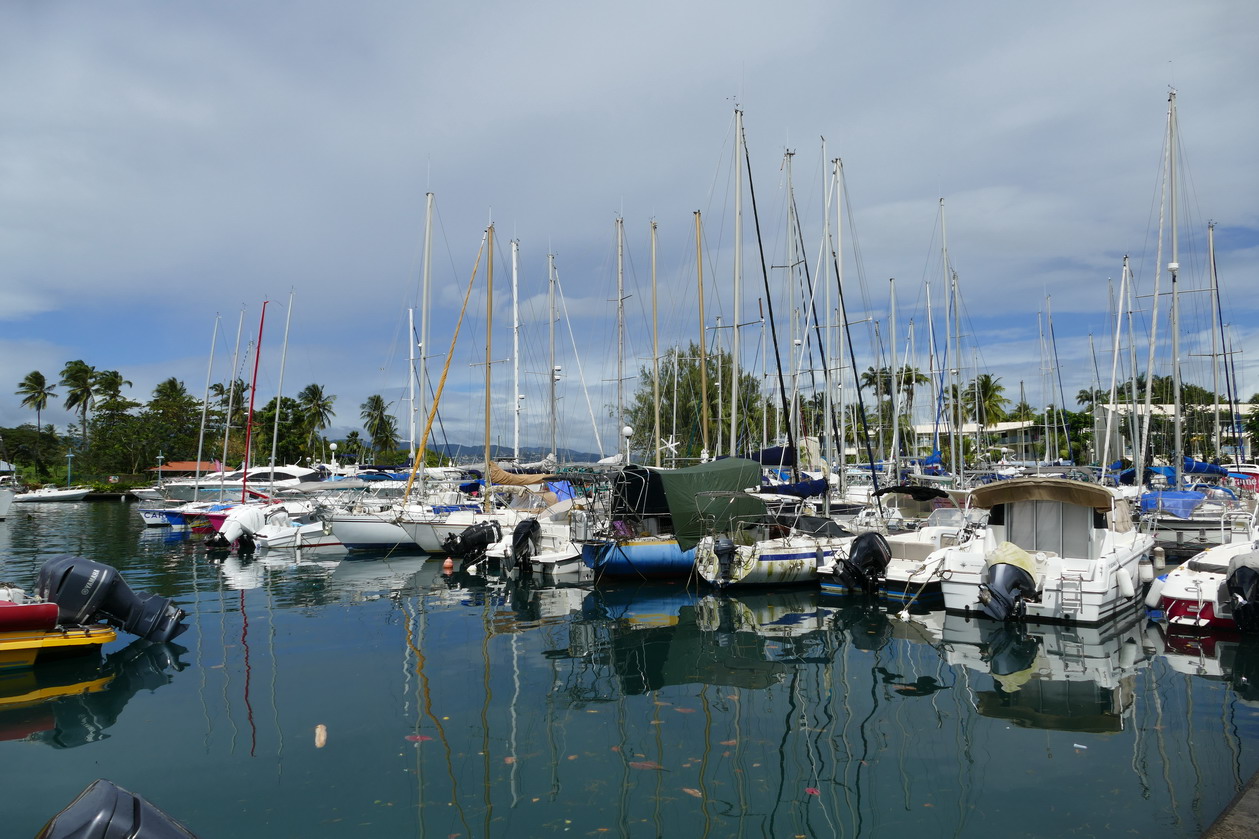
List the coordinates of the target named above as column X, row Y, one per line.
column 474, row 454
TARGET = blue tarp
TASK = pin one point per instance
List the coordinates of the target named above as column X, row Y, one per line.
column 1179, row 504
column 776, row 456
column 1197, row 467
column 563, row 489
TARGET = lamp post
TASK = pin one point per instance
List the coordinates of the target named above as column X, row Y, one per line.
column 69, row 458
column 160, row 458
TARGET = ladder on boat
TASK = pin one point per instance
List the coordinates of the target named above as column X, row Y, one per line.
column 1071, row 595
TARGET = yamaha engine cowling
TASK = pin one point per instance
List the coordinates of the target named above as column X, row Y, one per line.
column 105, row 810
column 1003, row 596
column 723, row 548
column 475, row 538
column 864, row 567
column 86, row 592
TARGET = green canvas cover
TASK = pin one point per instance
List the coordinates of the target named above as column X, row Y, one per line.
column 687, row 509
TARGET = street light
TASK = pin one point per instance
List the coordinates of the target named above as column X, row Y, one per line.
column 69, row 458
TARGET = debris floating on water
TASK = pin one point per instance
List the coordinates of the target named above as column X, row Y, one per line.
column 321, row 736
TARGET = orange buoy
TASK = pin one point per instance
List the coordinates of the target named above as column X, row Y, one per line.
column 448, row 566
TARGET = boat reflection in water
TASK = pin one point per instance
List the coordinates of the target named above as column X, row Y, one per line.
column 70, row 702
column 1051, row 676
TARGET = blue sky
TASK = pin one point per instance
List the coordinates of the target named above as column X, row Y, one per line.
column 163, row 165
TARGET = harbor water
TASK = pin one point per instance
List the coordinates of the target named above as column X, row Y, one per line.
column 317, row 696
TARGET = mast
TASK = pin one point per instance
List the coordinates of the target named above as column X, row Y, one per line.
column 738, row 283
column 896, row 396
column 1114, row 365
column 411, row 350
column 279, row 389
column 1215, row 313
column 655, row 350
column 249, row 420
column 703, row 342
column 205, row 409
column 517, row 396
column 489, row 335
column 1173, row 268
column 620, row 324
column 231, row 402
column 555, row 371
column 425, row 291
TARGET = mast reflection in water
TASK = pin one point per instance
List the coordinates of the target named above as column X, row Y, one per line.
column 460, row 705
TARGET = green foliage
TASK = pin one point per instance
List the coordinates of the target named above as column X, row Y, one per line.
column 680, row 373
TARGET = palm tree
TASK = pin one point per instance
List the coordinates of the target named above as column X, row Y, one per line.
column 79, row 379
column 35, row 392
column 379, row 424
column 986, row 397
column 317, row 406
column 108, row 384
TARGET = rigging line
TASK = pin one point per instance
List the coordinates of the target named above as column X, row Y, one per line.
column 769, row 304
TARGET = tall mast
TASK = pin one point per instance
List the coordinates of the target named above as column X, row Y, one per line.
column 517, row 396
column 655, row 350
column 249, row 418
column 489, row 333
column 703, row 341
column 424, row 309
column 279, row 389
column 1215, row 359
column 1173, row 268
column 411, row 375
column 555, row 372
column 205, row 409
column 896, row 426
column 620, row 325
column 738, row 283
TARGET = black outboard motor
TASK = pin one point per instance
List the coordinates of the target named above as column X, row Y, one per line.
column 470, row 545
column 1243, row 589
column 863, row 569
column 525, row 540
column 105, row 810
column 1003, row 597
column 723, row 547
column 86, row 592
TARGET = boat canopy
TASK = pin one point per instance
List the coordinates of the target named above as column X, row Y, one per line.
column 1043, row 489
column 1178, row 503
column 682, row 488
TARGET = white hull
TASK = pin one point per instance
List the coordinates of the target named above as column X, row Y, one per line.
column 370, row 531
column 783, row 561
column 52, row 494
column 6, row 498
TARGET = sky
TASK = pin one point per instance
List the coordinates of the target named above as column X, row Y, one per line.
column 165, row 168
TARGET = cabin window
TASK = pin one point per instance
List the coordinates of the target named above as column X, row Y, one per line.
column 1051, row 526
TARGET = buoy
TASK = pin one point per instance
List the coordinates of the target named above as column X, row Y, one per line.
column 321, row 736
column 1145, row 568
column 1124, row 579
column 448, row 566
column 1160, row 560
column 1154, row 598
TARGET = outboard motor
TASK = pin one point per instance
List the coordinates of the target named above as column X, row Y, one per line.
column 1010, row 582
column 525, row 540
column 239, row 527
column 863, row 569
column 723, row 548
column 470, row 545
column 1243, row 589
column 86, row 592
column 105, row 810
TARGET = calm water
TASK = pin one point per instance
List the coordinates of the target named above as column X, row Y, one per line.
column 457, row 708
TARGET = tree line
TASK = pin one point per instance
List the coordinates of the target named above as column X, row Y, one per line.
column 116, row 434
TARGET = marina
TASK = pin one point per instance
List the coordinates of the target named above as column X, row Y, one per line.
column 327, row 696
